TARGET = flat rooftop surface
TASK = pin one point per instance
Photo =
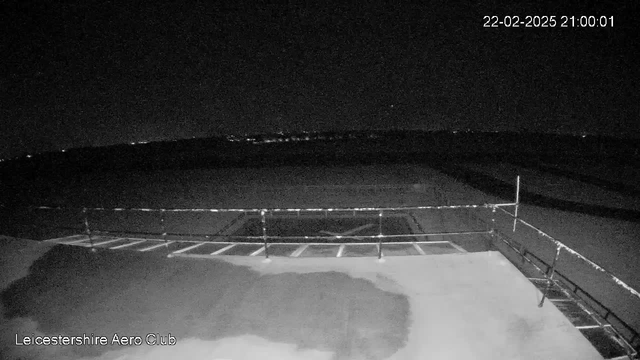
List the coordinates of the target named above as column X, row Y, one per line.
column 451, row 306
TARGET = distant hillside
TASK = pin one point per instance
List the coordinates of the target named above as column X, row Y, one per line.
column 322, row 148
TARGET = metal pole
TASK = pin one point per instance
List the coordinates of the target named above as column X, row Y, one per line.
column 264, row 233
column 493, row 220
column 515, row 219
column 550, row 278
column 163, row 229
column 86, row 227
column 380, row 235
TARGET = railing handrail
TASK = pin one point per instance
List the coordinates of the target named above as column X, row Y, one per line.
column 273, row 210
column 560, row 245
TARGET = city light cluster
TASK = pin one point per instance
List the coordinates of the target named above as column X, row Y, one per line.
column 281, row 137
column 304, row 136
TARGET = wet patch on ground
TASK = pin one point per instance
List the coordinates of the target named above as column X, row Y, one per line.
column 70, row 290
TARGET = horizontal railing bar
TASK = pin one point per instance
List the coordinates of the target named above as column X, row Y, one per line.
column 209, row 237
column 292, row 243
column 564, row 279
column 272, row 210
column 306, row 237
column 310, row 237
column 578, row 255
column 504, row 204
column 123, row 236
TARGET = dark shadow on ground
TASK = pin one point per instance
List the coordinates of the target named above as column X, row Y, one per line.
column 72, row 291
column 499, row 188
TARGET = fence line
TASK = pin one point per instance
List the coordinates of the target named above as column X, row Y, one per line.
column 272, row 210
column 334, row 237
column 630, row 341
column 263, row 212
column 561, row 245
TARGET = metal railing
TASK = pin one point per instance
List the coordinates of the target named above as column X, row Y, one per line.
column 263, row 213
column 629, row 333
column 549, row 272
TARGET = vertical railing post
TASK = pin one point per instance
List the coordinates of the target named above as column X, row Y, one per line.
column 552, row 272
column 87, row 229
column 380, row 235
column 493, row 219
column 264, row 233
column 515, row 219
column 163, row 228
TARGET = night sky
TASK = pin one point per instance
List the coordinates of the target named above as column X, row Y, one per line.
column 89, row 73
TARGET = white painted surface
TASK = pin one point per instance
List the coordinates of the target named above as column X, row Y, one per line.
column 474, row 306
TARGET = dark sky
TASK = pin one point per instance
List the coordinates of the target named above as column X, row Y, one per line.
column 82, row 73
